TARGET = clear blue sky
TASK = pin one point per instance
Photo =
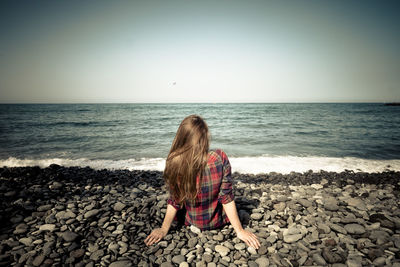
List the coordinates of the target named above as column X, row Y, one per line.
column 199, row 51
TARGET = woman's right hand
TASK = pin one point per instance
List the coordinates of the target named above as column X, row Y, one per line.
column 249, row 238
column 155, row 236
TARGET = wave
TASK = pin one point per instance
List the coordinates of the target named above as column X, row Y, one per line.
column 251, row 165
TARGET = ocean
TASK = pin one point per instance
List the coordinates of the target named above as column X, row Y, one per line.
column 258, row 138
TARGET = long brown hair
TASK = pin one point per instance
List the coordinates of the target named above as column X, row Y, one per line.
column 187, row 159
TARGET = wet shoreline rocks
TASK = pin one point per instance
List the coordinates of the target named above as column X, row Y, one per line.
column 83, row 217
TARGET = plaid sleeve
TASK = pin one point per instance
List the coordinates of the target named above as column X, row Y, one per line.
column 173, row 203
column 226, row 191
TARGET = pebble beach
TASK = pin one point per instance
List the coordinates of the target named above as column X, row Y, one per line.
column 74, row 216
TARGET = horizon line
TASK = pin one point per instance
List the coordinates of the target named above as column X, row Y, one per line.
column 290, row 102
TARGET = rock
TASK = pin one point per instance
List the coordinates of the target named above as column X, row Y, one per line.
column 218, row 237
column 331, row 204
column 348, row 219
column 184, row 264
column 192, row 242
column 291, row 231
column 47, row 247
column 207, row 257
column 170, row 248
column 274, row 227
column 272, row 239
column 331, row 256
column 304, row 202
column 317, row 258
column 240, row 246
column 27, row 241
column 65, row 215
column 276, row 259
column 91, row 213
column 354, row 228
column 252, row 250
column 47, row 227
column 324, row 181
column 331, row 207
column 338, row 228
column 69, row 236
column 44, row 207
column 119, row 206
column 123, row 263
column 223, row 251
column 262, row 262
column 324, row 228
column 96, row 255
column 163, row 244
column 292, row 238
column 55, row 186
column 357, row 203
column 317, row 186
column 114, row 247
column 262, row 250
column 383, row 220
column 353, row 263
column 21, row 229
column 77, row 253
column 379, row 261
column 178, row 259
column 374, row 253
column 17, row 219
column 330, row 242
column 167, row 264
column 396, row 241
column 194, row 229
column 374, row 226
column 37, row 242
column 279, row 207
column 38, row 260
column 256, row 216
column 302, row 260
column 10, row 194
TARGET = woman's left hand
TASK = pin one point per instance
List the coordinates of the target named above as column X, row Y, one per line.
column 155, row 236
column 249, row 238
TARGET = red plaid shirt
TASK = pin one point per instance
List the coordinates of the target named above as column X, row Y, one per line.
column 216, row 189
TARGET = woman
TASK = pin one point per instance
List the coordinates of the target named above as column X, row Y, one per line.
column 200, row 181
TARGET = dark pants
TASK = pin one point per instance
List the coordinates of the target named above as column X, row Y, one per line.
column 180, row 216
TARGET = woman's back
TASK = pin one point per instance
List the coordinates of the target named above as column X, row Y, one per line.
column 206, row 210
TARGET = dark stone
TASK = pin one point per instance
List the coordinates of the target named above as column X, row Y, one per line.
column 77, row 253
column 262, row 250
column 330, row 242
column 383, row 220
column 69, row 236
column 331, row 256
column 374, row 253
column 38, row 260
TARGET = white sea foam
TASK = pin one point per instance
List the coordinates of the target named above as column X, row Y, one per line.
column 287, row 164
column 254, row 165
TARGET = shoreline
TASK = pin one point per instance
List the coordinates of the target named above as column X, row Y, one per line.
column 261, row 164
column 73, row 215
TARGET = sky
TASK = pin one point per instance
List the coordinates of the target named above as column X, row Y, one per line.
column 199, row 51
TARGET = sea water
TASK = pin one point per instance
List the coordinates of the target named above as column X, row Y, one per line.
column 258, row 138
